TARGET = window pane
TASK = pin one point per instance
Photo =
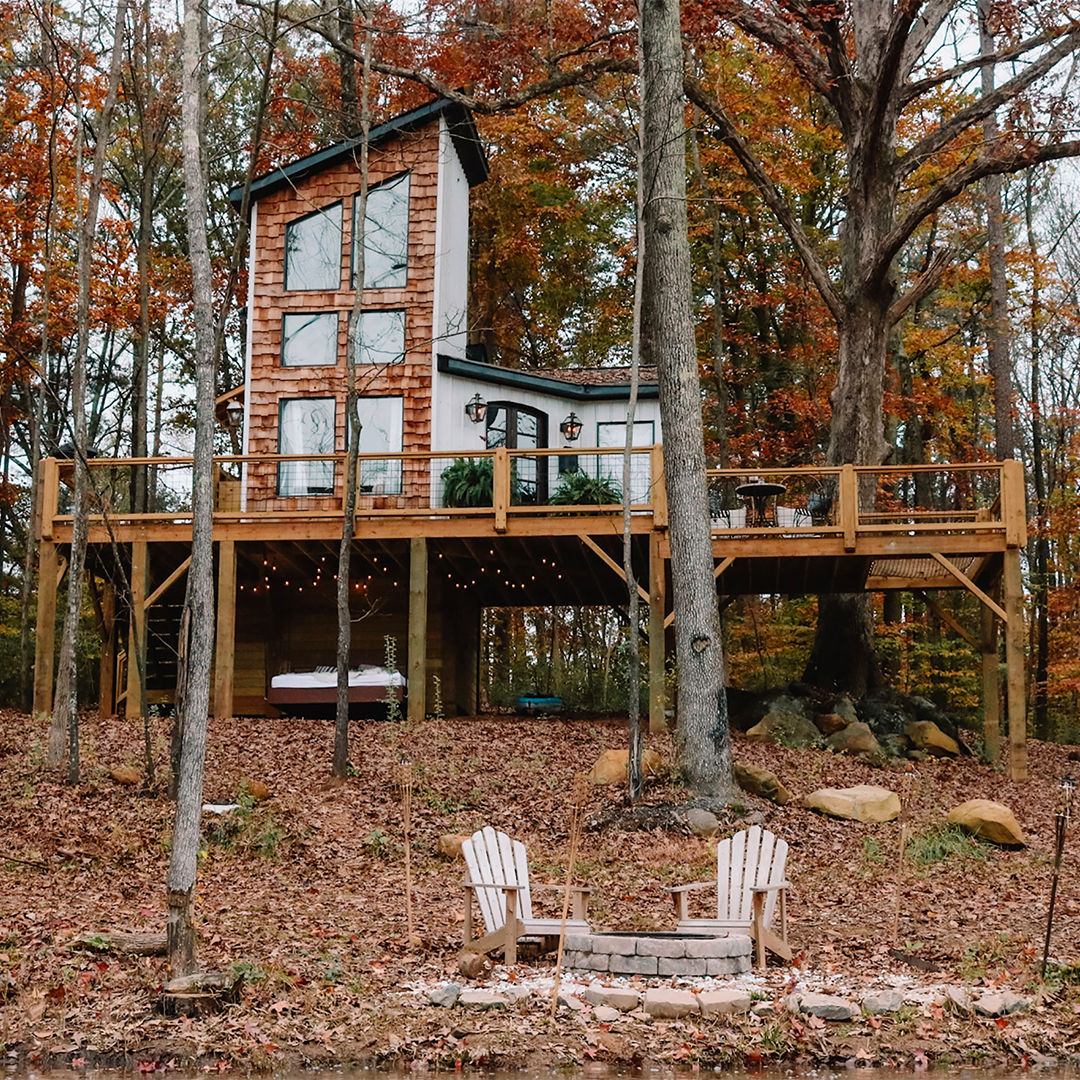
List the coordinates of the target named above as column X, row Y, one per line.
column 496, row 427
column 609, row 466
column 386, row 235
column 309, row 340
column 313, row 250
column 380, row 432
column 306, row 426
column 382, row 337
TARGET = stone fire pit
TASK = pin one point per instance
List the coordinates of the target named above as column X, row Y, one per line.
column 631, row 953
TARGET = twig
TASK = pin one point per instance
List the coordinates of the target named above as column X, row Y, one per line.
column 405, row 780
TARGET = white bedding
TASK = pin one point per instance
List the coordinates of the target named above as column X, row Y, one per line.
column 367, row 675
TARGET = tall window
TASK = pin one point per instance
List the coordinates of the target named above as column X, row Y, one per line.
column 313, row 250
column 306, row 426
column 380, row 433
column 386, row 235
column 518, row 427
column 382, row 337
column 309, row 340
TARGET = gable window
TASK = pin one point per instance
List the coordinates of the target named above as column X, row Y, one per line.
column 519, row 427
column 382, row 337
column 380, row 433
column 386, row 235
column 309, row 340
column 313, row 250
column 306, row 426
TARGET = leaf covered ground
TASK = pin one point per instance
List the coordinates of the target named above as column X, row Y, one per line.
column 305, row 894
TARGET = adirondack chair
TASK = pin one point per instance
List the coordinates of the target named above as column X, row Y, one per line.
column 499, row 882
column 749, row 884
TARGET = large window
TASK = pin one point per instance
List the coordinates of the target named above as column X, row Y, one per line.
column 609, row 466
column 382, row 337
column 313, row 250
column 380, row 433
column 386, row 235
column 518, row 427
column 309, row 340
column 306, row 426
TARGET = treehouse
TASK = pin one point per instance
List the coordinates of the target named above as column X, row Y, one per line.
column 479, row 486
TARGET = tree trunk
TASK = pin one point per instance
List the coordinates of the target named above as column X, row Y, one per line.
column 667, row 340
column 199, row 599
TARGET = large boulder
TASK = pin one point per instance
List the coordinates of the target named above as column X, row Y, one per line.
column 857, row 740
column 786, row 729
column 830, row 723
column 844, row 707
column 865, row 803
column 610, row 767
column 926, row 735
column 923, row 709
column 992, row 821
column 883, row 717
column 761, row 782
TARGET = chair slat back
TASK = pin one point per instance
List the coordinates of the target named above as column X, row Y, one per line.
column 752, row 857
column 493, row 858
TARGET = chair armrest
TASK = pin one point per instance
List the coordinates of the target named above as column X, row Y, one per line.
column 771, row 888
column 555, row 885
column 690, row 888
column 491, row 885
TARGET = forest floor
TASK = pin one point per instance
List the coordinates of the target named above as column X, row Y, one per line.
column 305, row 893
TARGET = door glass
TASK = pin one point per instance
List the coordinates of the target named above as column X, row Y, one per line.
column 380, row 433
column 306, row 426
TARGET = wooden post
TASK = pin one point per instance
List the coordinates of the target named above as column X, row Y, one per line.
column 849, row 505
column 1014, row 662
column 135, row 702
column 107, row 677
column 501, row 487
column 225, row 644
column 659, row 488
column 418, row 605
column 50, row 496
column 45, row 633
column 991, row 685
column 657, row 651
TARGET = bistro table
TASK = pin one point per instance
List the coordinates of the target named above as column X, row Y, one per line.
column 759, row 493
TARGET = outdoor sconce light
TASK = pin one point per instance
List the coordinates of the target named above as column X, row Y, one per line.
column 476, row 409
column 234, row 415
column 571, row 428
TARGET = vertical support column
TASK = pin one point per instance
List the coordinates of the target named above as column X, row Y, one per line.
column 657, row 651
column 849, row 505
column 45, row 634
column 418, row 605
column 225, row 642
column 991, row 683
column 107, row 677
column 135, row 702
column 500, row 482
column 1014, row 662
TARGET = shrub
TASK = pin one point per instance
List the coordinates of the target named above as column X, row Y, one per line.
column 580, row 489
column 469, row 482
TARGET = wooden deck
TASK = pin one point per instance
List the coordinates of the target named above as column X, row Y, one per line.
column 844, row 529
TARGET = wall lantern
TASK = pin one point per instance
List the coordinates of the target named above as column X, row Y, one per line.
column 476, row 409
column 234, row 415
column 571, row 428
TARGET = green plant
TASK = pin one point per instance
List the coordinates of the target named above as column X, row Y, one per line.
column 942, row 842
column 580, row 489
column 469, row 482
column 377, row 844
column 872, row 850
column 393, row 705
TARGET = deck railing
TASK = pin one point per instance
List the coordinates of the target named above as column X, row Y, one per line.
column 499, row 484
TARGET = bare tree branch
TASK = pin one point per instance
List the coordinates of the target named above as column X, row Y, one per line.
column 776, row 202
column 922, row 32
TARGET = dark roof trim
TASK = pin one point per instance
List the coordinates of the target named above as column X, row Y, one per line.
column 541, row 384
column 459, row 120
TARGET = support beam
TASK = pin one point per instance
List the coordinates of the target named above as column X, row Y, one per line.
column 418, row 605
column 604, row 557
column 947, row 619
column 164, row 587
column 135, row 700
column 1014, row 662
column 45, row 632
column 971, row 586
column 657, row 652
column 225, row 641
column 107, row 671
column 991, row 686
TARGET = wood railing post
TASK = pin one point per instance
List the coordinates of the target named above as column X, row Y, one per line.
column 50, row 496
column 501, row 487
column 135, row 700
column 849, row 505
column 1013, row 504
column 45, row 630
column 1014, row 664
column 658, row 487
